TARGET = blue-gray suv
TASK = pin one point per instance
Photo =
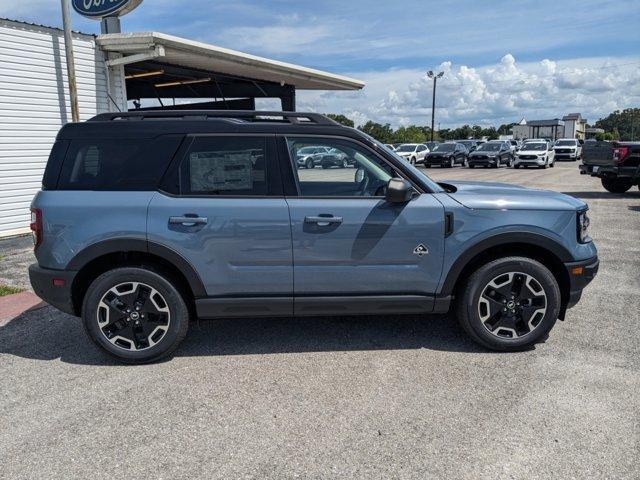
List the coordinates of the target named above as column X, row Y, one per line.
column 148, row 219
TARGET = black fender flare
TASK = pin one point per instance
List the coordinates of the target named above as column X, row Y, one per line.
column 119, row 245
column 523, row 238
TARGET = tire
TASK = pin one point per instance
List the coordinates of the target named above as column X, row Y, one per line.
column 552, row 165
column 155, row 338
column 345, row 163
column 616, row 185
column 516, row 166
column 412, row 161
column 478, row 305
column 309, row 165
column 324, row 166
column 471, row 165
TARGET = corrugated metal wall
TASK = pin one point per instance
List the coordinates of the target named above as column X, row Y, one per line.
column 34, row 104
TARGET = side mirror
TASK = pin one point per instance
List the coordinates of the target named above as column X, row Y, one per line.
column 398, row 191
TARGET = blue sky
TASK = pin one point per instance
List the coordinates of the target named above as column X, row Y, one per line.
column 506, row 51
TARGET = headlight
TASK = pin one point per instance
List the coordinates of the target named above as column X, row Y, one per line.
column 583, row 226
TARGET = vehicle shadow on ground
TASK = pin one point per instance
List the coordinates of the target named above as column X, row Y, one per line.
column 47, row 334
column 604, row 195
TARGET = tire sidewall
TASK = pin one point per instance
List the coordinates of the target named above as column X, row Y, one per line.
column 179, row 313
column 488, row 272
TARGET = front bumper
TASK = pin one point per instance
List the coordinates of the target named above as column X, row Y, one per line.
column 57, row 294
column 481, row 161
column 529, row 161
column 434, row 161
column 580, row 275
column 572, row 155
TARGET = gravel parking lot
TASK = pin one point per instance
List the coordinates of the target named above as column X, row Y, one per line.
column 366, row 397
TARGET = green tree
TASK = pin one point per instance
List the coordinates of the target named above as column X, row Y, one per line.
column 410, row 134
column 625, row 123
column 341, row 119
column 382, row 133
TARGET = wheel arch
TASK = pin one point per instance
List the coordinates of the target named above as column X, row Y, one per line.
column 534, row 246
column 103, row 256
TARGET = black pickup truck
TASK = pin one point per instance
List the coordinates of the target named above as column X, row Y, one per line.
column 617, row 164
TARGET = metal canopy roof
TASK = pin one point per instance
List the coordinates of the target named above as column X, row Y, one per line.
column 170, row 50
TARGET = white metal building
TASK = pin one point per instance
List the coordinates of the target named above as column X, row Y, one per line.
column 114, row 71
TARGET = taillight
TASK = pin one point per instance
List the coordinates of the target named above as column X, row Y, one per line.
column 620, row 153
column 36, row 226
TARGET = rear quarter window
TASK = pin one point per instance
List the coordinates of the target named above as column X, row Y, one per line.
column 117, row 164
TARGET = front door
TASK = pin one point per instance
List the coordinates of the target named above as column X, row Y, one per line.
column 349, row 242
column 225, row 213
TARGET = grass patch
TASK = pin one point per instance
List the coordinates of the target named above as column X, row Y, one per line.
column 7, row 290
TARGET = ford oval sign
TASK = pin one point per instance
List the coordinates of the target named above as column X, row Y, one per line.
column 98, row 9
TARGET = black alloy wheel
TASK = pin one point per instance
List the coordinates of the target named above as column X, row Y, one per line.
column 509, row 303
column 134, row 314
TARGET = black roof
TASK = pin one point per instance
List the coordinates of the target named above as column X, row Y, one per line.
column 151, row 123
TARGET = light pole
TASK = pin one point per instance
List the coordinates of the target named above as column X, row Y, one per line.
column 435, row 77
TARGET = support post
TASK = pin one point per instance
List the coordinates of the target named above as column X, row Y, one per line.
column 71, row 67
column 289, row 99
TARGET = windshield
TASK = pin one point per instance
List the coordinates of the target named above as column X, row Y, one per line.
column 406, row 148
column 444, row 147
column 489, row 147
column 536, row 147
column 307, row 150
column 566, row 143
column 467, row 143
column 433, row 186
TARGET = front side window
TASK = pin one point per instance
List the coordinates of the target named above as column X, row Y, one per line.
column 346, row 170
column 224, row 166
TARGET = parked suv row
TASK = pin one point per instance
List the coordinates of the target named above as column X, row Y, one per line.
column 142, row 225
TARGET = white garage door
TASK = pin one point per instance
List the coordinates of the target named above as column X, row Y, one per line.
column 34, row 104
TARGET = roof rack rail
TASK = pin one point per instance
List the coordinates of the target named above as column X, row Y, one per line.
column 292, row 117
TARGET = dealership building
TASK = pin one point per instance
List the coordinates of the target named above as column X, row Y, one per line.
column 569, row 126
column 117, row 72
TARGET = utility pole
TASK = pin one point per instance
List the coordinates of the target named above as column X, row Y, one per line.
column 71, row 66
column 435, row 77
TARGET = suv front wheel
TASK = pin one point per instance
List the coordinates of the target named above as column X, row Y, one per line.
column 135, row 315
column 509, row 304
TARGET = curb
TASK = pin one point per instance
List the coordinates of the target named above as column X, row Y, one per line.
column 12, row 306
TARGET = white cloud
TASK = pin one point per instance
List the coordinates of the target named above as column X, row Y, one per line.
column 493, row 94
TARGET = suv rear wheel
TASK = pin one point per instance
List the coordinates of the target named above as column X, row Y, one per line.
column 135, row 315
column 616, row 185
column 509, row 304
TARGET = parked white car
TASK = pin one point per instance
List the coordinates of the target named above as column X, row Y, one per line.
column 568, row 148
column 413, row 152
column 535, row 154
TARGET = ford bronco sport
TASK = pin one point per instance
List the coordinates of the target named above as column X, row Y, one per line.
column 148, row 219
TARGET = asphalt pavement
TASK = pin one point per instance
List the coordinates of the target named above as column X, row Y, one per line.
column 363, row 397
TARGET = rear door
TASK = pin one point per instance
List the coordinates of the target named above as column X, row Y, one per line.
column 349, row 243
column 222, row 208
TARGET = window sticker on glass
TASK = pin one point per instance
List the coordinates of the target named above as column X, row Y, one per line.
column 213, row 171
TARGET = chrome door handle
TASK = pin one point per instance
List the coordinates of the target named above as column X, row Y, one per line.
column 323, row 221
column 188, row 221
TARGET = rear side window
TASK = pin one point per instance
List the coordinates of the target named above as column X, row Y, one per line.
column 54, row 164
column 117, row 164
column 229, row 166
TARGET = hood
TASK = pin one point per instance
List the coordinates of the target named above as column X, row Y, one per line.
column 485, row 153
column 503, row 196
column 532, row 152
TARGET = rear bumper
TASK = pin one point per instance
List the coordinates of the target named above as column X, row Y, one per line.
column 59, row 294
column 609, row 171
column 580, row 275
